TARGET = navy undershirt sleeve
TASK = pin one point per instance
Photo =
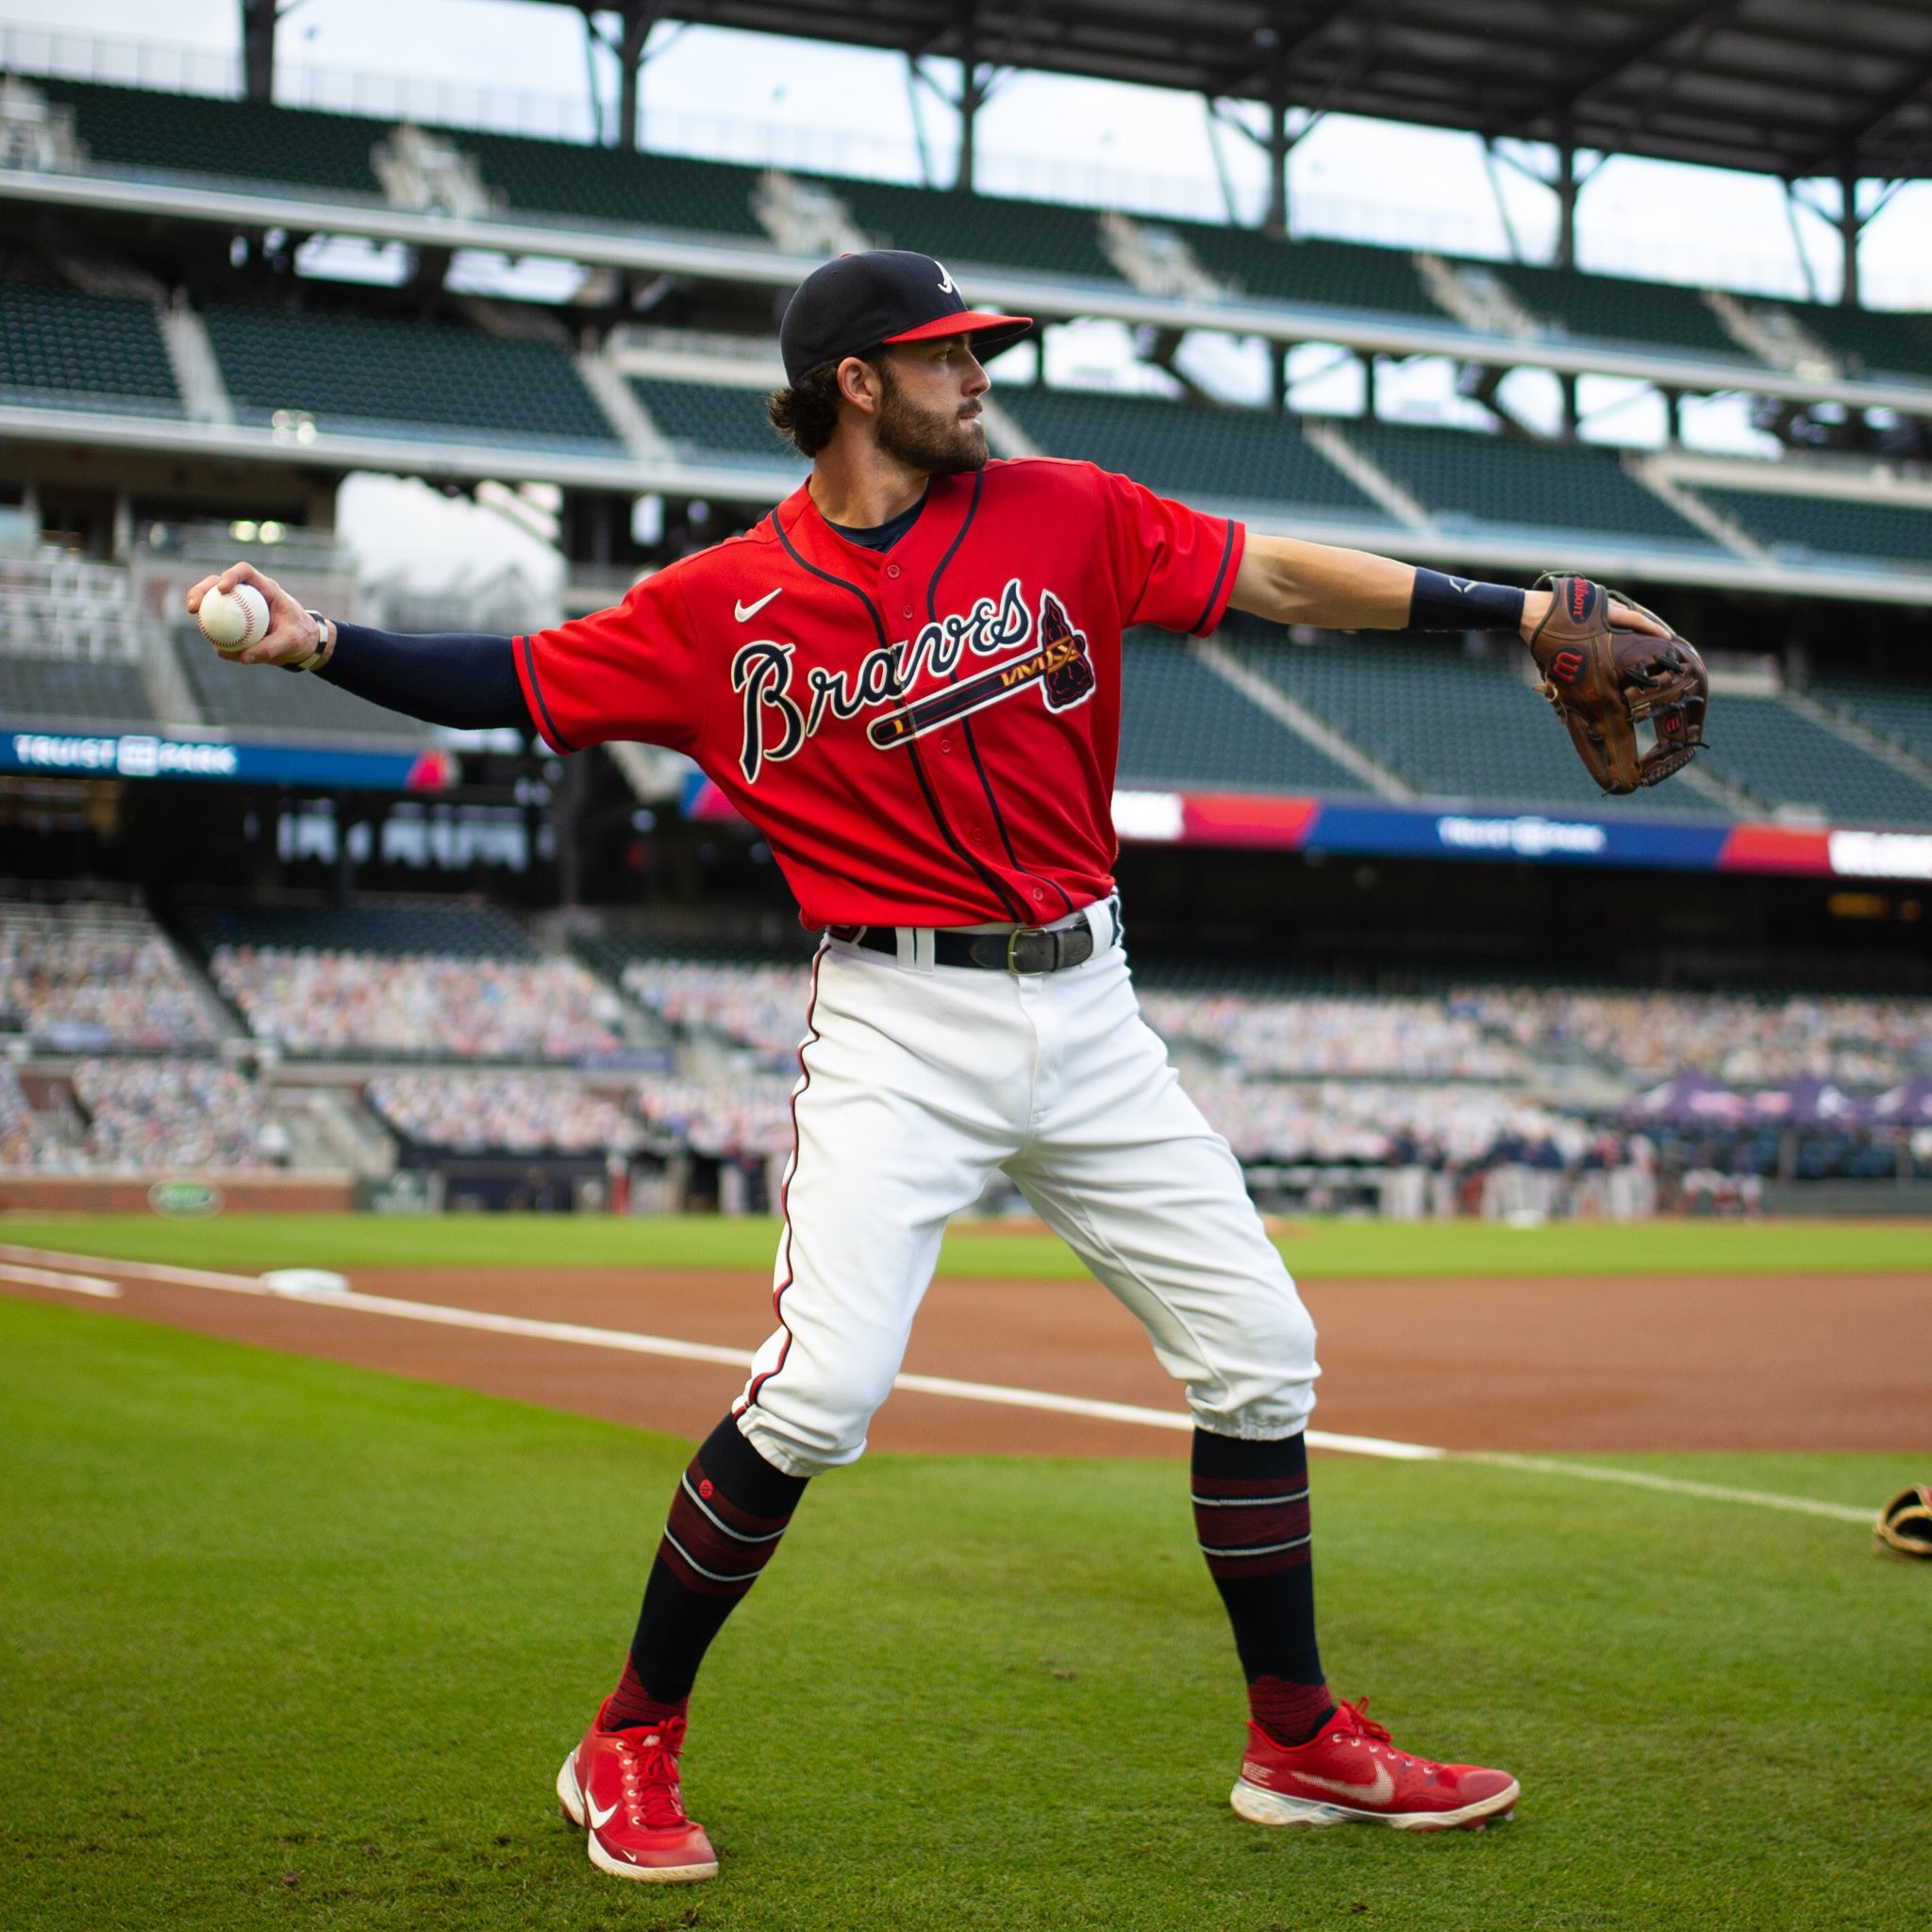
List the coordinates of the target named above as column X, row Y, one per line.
column 460, row 678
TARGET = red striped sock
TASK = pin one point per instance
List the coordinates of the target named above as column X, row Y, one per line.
column 1289, row 1713
column 631, row 1705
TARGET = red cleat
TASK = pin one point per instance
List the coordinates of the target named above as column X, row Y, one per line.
column 621, row 1787
column 1349, row 1772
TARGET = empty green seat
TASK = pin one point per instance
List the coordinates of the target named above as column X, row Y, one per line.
column 1221, row 456
column 1873, row 341
column 1781, row 758
column 251, row 140
column 1182, row 724
column 237, row 698
column 64, row 349
column 1466, row 475
column 1045, row 238
column 1618, row 308
column 350, row 371
column 1900, row 712
column 706, row 418
column 1830, row 526
column 1449, row 725
column 1330, row 274
column 606, row 184
column 72, row 695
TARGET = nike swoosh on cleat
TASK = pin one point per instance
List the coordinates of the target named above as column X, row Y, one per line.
column 1379, row 1793
column 598, row 1818
column 745, row 612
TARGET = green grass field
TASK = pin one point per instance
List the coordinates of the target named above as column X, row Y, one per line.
column 1312, row 1247
column 289, row 1644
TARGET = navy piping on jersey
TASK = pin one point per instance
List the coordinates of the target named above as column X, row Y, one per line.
column 1015, row 910
column 1208, row 608
column 992, row 804
column 550, row 730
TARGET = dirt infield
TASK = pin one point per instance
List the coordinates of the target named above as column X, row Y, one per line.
column 1766, row 1362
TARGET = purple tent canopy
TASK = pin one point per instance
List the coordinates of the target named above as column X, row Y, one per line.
column 1811, row 1101
column 1910, row 1105
column 1692, row 1097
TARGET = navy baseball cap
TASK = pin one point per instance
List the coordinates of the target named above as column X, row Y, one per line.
column 859, row 301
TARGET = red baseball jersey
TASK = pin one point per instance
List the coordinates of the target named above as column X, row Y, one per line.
column 927, row 735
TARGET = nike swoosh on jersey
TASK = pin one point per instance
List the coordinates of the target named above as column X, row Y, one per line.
column 600, row 1819
column 1379, row 1793
column 745, row 612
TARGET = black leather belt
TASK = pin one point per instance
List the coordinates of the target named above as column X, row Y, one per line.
column 1022, row 949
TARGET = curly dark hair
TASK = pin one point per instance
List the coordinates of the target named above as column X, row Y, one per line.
column 807, row 412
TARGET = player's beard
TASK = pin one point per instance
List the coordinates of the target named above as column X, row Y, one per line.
column 934, row 441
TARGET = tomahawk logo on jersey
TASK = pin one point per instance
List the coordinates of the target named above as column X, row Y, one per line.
column 927, row 735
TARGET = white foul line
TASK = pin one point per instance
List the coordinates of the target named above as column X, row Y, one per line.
column 68, row 1284
column 1676, row 1486
column 630, row 1342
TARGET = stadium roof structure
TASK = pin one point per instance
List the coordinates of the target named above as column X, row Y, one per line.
column 1789, row 88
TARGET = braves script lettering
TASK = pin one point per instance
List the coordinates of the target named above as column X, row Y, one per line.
column 777, row 724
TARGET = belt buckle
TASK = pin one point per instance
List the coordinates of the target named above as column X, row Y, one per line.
column 1014, row 939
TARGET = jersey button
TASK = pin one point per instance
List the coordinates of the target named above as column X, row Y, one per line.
column 1038, row 897
column 892, row 571
column 905, row 610
column 946, row 744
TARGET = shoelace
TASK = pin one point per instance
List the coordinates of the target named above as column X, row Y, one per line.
column 1366, row 1726
column 650, row 1776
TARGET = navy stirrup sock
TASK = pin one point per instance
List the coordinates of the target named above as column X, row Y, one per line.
column 730, row 1509
column 1251, row 1514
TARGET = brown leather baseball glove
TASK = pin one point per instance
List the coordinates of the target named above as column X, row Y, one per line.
column 1905, row 1523
column 1634, row 703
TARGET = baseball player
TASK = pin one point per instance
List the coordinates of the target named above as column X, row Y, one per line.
column 908, row 677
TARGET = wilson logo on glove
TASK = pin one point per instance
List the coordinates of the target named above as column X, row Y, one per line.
column 1606, row 681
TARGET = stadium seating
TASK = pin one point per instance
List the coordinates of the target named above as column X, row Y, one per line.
column 760, row 1005
column 1617, row 309
column 1322, row 274
column 1779, row 757
column 351, row 372
column 81, row 977
column 148, row 1114
column 239, row 699
column 707, row 421
column 1465, row 477
column 1830, row 526
column 127, row 128
column 422, row 1006
column 1044, row 237
column 727, row 1119
column 451, row 928
column 71, row 696
column 1202, row 453
column 1900, row 712
column 1872, row 342
column 478, row 1113
column 60, row 349
column 1183, row 725
column 603, row 184
column 1448, row 724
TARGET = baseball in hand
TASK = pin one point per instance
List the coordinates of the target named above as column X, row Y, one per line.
column 233, row 620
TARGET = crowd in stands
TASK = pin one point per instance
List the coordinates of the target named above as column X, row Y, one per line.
column 79, row 978
column 28, row 1139
column 147, row 1114
column 1740, row 1041
column 1319, row 1039
column 758, row 1007
column 426, row 1005
column 728, row 1119
column 475, row 1114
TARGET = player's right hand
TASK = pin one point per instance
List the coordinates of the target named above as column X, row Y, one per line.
column 292, row 635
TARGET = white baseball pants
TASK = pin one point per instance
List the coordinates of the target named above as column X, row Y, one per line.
column 918, row 1082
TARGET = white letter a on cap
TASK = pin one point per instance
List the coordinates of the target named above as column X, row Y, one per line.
column 947, row 287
